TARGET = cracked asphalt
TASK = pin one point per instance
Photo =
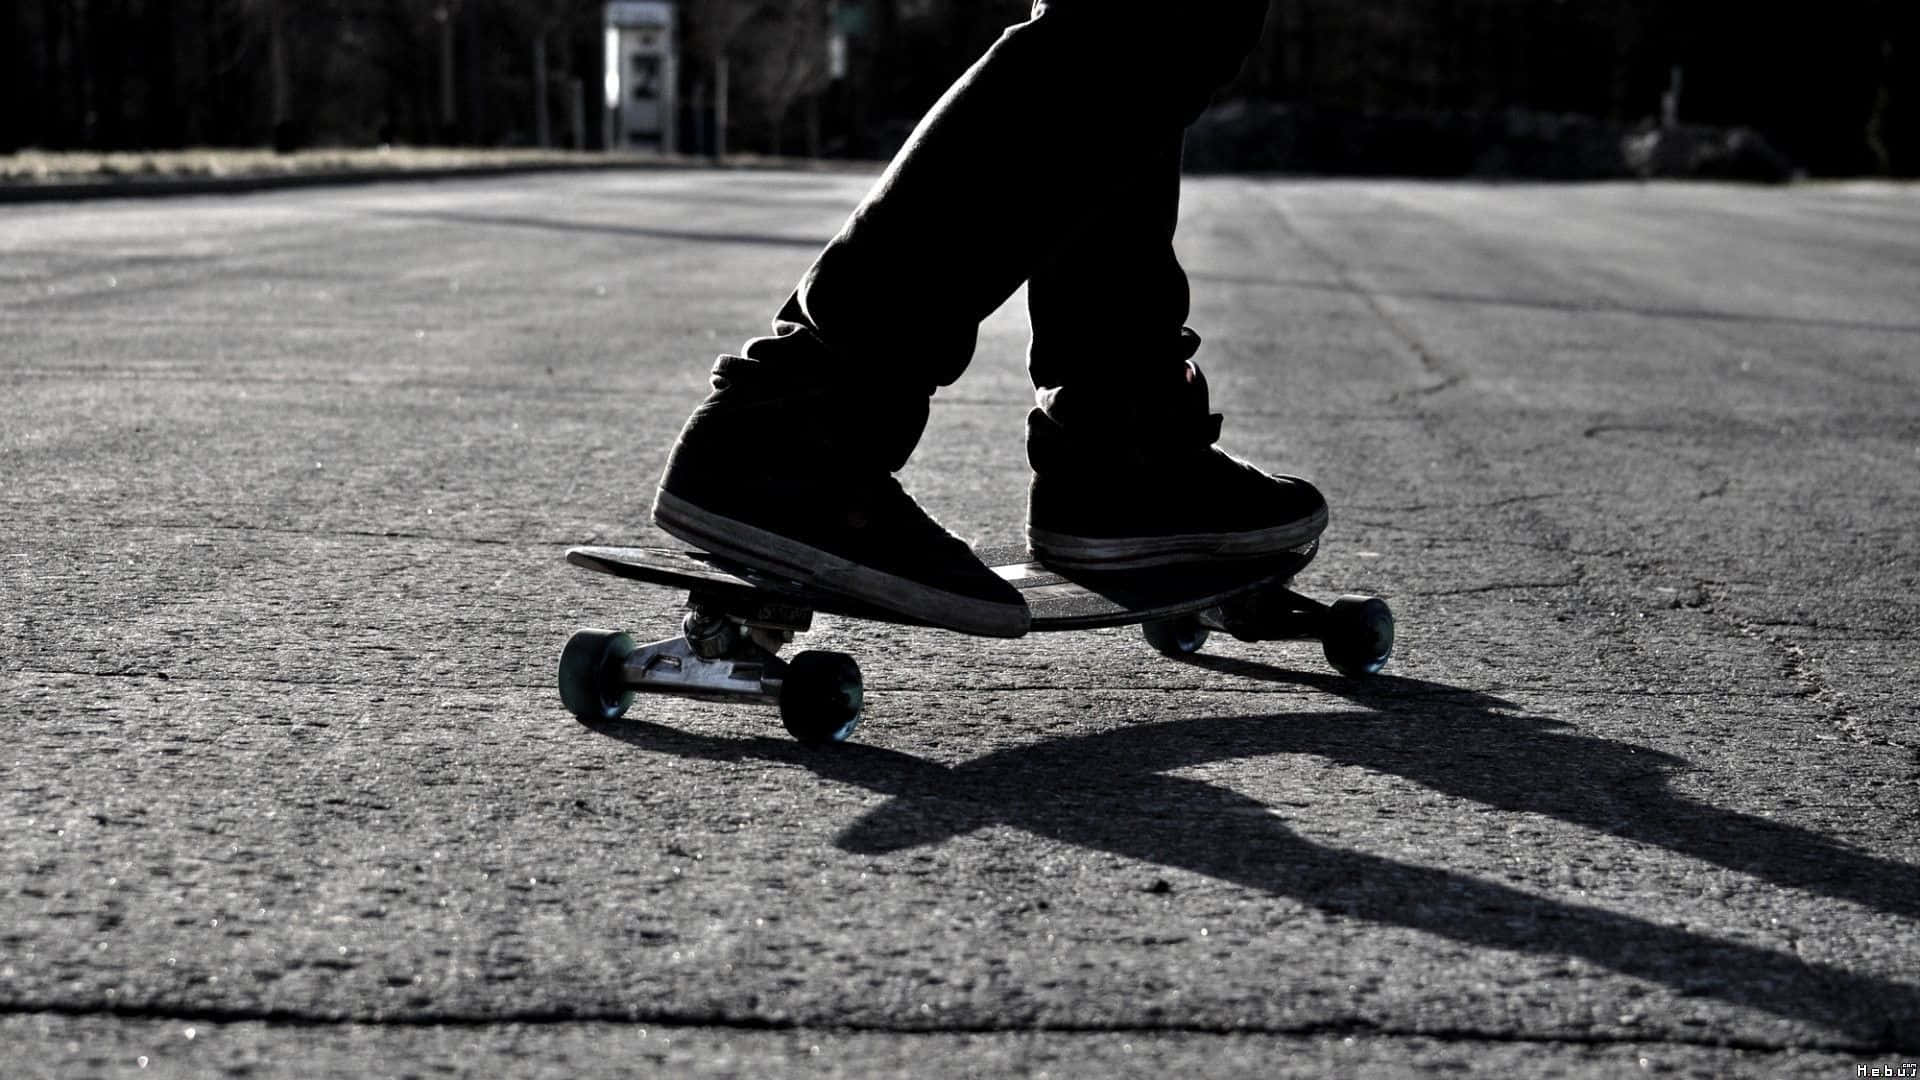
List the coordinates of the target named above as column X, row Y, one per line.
column 285, row 480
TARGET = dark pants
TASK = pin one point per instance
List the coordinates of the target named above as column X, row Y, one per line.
column 1054, row 161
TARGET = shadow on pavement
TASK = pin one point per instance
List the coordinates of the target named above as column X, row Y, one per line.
column 1610, row 787
column 1109, row 792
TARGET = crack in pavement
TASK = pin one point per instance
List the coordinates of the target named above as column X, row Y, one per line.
column 691, row 1021
column 1496, row 586
column 519, row 391
column 1447, row 374
column 1465, row 504
column 1799, row 668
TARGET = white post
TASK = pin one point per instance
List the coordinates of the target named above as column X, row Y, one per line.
column 611, row 88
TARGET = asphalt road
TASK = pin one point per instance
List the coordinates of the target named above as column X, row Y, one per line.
column 286, row 787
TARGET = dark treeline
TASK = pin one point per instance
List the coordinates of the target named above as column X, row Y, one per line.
column 1835, row 86
column 152, row 74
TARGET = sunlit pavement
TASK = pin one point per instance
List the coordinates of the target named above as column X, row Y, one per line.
column 284, row 485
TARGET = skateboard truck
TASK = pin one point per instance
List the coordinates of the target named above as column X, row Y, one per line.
column 1355, row 632
column 722, row 654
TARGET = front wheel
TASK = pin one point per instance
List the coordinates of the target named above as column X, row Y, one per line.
column 821, row 696
column 1357, row 635
column 590, row 683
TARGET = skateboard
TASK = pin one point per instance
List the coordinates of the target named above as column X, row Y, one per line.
column 738, row 619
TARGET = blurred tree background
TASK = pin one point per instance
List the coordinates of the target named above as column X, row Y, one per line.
column 1421, row 86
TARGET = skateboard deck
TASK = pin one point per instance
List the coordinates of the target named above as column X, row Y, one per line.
column 1057, row 601
column 739, row 619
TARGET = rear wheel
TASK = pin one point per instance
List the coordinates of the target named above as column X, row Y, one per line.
column 1177, row 635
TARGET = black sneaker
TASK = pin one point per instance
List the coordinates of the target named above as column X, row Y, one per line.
column 1159, row 498
column 798, row 480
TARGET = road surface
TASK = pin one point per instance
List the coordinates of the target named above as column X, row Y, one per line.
column 285, row 480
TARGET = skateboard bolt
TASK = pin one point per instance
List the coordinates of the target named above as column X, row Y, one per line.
column 709, row 636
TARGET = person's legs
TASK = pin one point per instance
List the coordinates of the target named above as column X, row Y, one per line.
column 804, row 430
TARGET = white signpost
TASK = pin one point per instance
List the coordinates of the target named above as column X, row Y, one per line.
column 642, row 74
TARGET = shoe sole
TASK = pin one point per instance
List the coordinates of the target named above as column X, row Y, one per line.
column 1146, row 552
column 807, row 565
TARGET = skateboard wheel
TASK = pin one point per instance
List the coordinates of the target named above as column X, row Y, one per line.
column 821, row 696
column 1179, row 635
column 590, row 683
column 1357, row 635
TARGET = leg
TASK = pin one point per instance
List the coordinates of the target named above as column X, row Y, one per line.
column 1109, row 306
column 1126, row 474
